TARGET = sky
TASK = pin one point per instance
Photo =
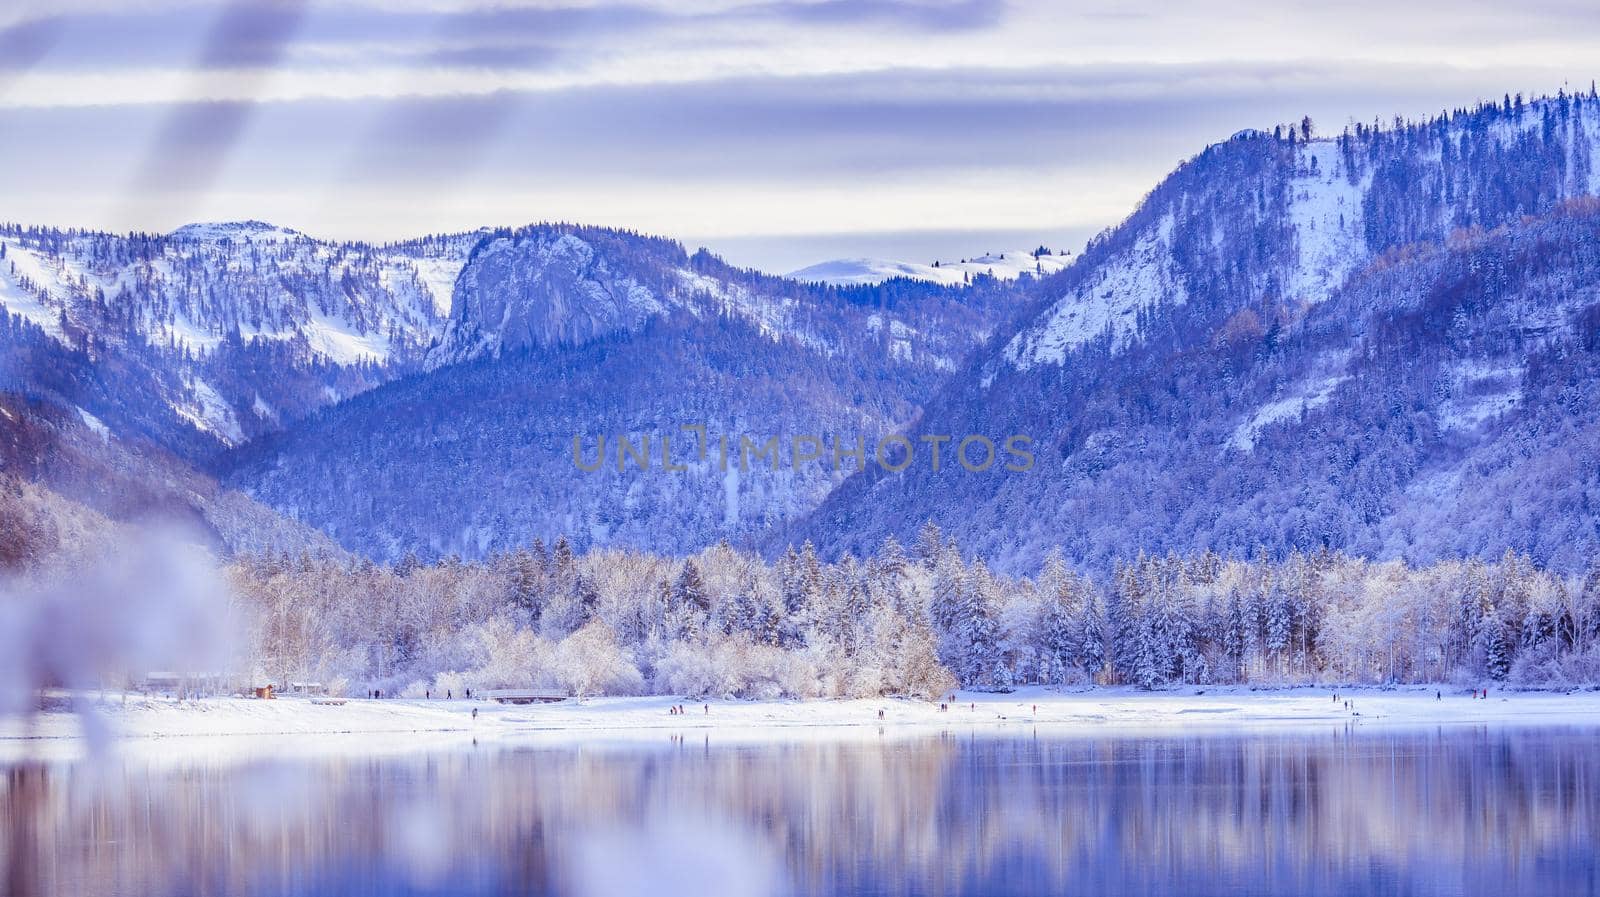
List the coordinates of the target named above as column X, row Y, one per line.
column 775, row 132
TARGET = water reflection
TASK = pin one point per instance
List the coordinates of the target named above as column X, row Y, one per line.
column 1452, row 812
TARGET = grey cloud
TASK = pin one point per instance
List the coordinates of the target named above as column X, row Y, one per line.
column 892, row 122
column 932, row 15
column 195, row 139
column 25, row 44
column 948, row 130
column 817, row 128
column 509, row 35
column 257, row 28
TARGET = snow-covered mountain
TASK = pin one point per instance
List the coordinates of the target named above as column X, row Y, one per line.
column 1285, row 220
column 571, row 335
column 237, row 327
column 243, row 334
column 1379, row 341
column 241, row 328
column 1003, row 265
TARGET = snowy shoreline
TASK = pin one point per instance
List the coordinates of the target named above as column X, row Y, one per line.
column 360, row 726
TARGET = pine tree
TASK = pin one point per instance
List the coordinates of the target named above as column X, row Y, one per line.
column 688, row 603
column 792, row 593
column 1235, row 640
column 978, row 634
column 562, row 564
column 946, row 603
column 1145, row 670
column 1091, row 638
column 888, row 575
column 1061, row 646
column 1125, row 609
column 586, row 600
column 1496, row 652
column 930, row 542
column 1280, row 625
column 526, row 577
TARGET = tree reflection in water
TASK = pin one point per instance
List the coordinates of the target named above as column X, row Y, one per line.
column 1449, row 812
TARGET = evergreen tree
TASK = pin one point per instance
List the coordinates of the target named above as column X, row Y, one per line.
column 1496, row 652
column 1091, row 638
column 930, row 542
column 1062, row 648
column 946, row 603
column 586, row 600
column 688, row 602
column 978, row 635
column 1235, row 639
column 525, row 585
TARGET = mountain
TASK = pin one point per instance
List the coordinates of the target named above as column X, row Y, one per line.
column 1378, row 342
column 247, row 350
column 566, row 334
column 1004, row 265
column 214, row 334
column 71, row 479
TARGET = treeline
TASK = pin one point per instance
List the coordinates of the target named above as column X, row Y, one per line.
column 911, row 622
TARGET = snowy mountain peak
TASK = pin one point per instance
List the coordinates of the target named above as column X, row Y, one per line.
column 216, row 231
column 1005, row 265
column 1275, row 219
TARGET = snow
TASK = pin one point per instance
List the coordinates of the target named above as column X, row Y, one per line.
column 1325, row 211
column 95, row 424
column 1007, row 265
column 188, row 334
column 210, row 412
column 438, row 277
column 264, row 410
column 1244, row 436
column 730, row 496
column 337, row 340
column 371, row 726
column 1108, row 300
column 254, row 231
column 1482, row 392
column 19, row 301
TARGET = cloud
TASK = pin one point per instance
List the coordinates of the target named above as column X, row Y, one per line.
column 268, row 33
column 706, row 117
column 932, row 15
column 195, row 140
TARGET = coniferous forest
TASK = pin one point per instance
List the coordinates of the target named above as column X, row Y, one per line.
column 913, row 621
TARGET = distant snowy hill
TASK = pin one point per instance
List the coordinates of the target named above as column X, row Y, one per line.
column 245, row 231
column 1003, row 265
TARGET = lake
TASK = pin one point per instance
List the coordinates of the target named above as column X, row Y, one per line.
column 1490, row 811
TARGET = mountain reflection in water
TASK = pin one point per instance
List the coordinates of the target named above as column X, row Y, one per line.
column 1455, row 811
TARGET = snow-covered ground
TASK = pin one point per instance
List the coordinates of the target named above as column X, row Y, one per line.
column 234, row 725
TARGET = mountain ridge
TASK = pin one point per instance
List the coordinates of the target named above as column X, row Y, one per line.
column 1153, row 401
column 1258, row 292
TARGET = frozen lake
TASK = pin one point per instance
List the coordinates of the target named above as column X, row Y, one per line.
column 1449, row 810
